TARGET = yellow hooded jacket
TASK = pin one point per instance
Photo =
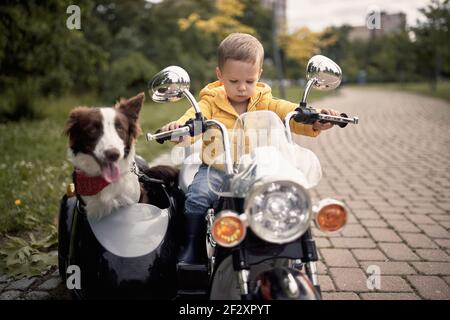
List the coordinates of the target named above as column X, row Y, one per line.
column 214, row 104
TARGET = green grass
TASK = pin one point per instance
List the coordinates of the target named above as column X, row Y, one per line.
column 34, row 171
column 442, row 90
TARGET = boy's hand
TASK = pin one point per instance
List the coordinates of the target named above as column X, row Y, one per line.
column 170, row 126
column 327, row 125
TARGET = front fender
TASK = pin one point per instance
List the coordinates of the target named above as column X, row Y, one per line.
column 283, row 283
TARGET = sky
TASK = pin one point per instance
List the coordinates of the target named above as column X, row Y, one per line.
column 318, row 14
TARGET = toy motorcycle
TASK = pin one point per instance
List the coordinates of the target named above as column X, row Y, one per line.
column 259, row 244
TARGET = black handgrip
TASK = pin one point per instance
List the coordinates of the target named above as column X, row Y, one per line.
column 342, row 125
column 161, row 140
column 306, row 115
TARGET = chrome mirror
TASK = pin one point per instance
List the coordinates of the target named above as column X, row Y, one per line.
column 323, row 74
column 169, row 84
column 326, row 72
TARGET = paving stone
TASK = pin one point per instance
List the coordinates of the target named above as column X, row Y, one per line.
column 393, row 216
column 322, row 242
column 349, row 279
column 353, row 243
column 435, row 231
column 321, row 268
column 4, row 278
column 430, row 287
column 384, row 235
column 389, row 296
column 390, row 267
column 403, row 226
column 340, row 296
column 398, row 251
column 338, row 258
column 418, row 240
column 38, row 295
column 433, row 254
column 10, row 295
column 373, row 223
column 369, row 254
column 445, row 243
column 424, row 210
column 443, row 205
column 399, row 203
column 22, row 284
column 420, row 219
column 366, row 214
column 2, row 286
column 445, row 224
column 393, row 284
column 354, row 231
column 440, row 217
column 433, row 268
column 326, row 284
column 355, row 204
column 447, row 279
column 50, row 284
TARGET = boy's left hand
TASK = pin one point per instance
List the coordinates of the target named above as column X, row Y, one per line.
column 327, row 125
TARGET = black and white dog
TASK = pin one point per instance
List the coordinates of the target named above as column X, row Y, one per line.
column 102, row 150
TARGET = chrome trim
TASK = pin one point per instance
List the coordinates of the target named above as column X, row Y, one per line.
column 287, row 126
column 172, row 133
column 309, row 84
column 243, row 276
column 192, row 100
column 226, row 144
column 311, row 270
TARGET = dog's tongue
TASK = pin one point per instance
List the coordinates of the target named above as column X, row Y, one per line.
column 111, row 172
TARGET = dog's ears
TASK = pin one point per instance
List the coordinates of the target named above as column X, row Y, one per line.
column 132, row 106
column 74, row 116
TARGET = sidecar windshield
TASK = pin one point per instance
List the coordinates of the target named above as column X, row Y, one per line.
column 260, row 151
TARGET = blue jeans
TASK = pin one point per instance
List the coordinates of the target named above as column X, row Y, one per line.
column 199, row 197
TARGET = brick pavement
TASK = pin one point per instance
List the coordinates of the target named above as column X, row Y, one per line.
column 393, row 172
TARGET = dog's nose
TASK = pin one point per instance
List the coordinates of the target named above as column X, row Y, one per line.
column 112, row 154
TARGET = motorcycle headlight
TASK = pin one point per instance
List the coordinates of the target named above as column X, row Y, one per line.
column 278, row 212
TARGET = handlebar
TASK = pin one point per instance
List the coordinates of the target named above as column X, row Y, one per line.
column 310, row 115
column 160, row 137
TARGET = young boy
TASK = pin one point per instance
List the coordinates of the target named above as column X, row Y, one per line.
column 240, row 60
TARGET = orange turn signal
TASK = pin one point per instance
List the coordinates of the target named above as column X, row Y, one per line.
column 330, row 215
column 228, row 230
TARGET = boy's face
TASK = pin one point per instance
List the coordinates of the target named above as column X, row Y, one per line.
column 239, row 79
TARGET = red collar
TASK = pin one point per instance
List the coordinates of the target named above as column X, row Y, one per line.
column 88, row 186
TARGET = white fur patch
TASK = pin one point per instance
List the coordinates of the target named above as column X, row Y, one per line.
column 110, row 138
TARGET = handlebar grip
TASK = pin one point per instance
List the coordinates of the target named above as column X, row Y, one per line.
column 163, row 139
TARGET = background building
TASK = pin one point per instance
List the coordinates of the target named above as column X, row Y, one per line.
column 388, row 24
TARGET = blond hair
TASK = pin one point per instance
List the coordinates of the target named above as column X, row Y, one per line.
column 240, row 47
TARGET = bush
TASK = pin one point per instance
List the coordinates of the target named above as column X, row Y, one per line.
column 127, row 76
column 19, row 102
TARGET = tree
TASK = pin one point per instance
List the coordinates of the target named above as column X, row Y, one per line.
column 223, row 22
column 433, row 47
